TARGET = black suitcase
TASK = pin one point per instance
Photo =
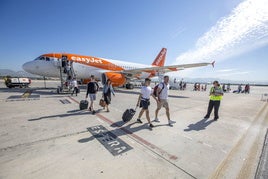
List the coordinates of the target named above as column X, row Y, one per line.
column 128, row 115
column 83, row 104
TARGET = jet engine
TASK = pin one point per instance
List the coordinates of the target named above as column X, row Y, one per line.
column 117, row 79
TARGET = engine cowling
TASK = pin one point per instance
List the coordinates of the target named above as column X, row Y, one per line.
column 117, row 79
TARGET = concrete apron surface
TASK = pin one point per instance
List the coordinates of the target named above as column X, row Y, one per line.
column 50, row 137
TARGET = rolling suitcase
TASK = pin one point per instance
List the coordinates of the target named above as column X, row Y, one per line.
column 83, row 104
column 128, row 114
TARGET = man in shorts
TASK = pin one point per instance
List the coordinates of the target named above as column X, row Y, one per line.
column 92, row 88
column 162, row 96
column 144, row 101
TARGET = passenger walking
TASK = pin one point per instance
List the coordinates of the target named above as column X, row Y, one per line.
column 239, row 89
column 184, row 86
column 92, row 88
column 228, row 87
column 181, row 85
column 195, row 87
column 205, row 88
column 144, row 101
column 223, row 88
column 74, row 86
column 247, row 89
column 162, row 99
column 107, row 90
column 215, row 94
column 68, row 69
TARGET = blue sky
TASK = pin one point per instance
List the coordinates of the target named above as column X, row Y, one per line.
column 137, row 30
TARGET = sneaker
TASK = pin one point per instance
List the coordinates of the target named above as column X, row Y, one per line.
column 170, row 123
column 156, row 120
column 139, row 121
column 216, row 118
column 206, row 117
column 93, row 112
column 151, row 125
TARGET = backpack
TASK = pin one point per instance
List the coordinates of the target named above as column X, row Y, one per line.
column 156, row 87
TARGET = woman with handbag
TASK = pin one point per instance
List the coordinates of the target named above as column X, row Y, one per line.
column 107, row 90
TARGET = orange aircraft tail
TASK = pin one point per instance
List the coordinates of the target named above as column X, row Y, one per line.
column 160, row 59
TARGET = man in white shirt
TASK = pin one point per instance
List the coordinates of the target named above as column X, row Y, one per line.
column 162, row 96
column 144, row 101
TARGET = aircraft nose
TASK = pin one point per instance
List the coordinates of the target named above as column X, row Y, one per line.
column 28, row 67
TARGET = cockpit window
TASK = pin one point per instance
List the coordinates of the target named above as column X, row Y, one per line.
column 38, row 58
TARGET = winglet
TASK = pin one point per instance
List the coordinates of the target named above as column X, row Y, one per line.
column 160, row 58
column 213, row 64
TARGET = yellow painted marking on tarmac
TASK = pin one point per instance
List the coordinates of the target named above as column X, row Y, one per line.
column 26, row 94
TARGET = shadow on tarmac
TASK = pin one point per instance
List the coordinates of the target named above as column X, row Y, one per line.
column 200, row 125
column 69, row 113
column 75, row 112
column 120, row 131
column 173, row 96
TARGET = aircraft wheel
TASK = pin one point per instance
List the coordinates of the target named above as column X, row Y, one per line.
column 58, row 91
column 129, row 86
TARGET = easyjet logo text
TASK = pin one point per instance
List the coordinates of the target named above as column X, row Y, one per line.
column 86, row 60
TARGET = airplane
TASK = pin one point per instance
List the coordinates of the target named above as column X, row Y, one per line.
column 119, row 72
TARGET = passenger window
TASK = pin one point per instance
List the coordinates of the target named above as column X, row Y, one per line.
column 42, row 58
column 47, row 59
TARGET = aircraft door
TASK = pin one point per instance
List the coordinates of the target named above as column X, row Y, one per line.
column 63, row 61
column 57, row 62
column 103, row 78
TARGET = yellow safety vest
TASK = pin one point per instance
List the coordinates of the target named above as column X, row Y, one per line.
column 213, row 97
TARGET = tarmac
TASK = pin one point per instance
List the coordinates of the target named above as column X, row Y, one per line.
column 45, row 135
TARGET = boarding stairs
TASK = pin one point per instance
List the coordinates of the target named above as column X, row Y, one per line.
column 66, row 75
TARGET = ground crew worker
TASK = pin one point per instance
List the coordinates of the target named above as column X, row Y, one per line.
column 215, row 94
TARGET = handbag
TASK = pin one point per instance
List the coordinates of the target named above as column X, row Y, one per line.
column 102, row 103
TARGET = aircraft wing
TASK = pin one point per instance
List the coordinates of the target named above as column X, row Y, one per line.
column 163, row 69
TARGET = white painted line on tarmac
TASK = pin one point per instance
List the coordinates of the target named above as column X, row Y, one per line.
column 207, row 145
column 187, row 137
column 224, row 151
column 101, row 121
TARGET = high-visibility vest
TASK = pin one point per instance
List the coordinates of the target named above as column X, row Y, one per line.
column 213, row 97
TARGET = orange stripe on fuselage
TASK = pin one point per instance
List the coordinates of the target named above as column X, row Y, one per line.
column 88, row 60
